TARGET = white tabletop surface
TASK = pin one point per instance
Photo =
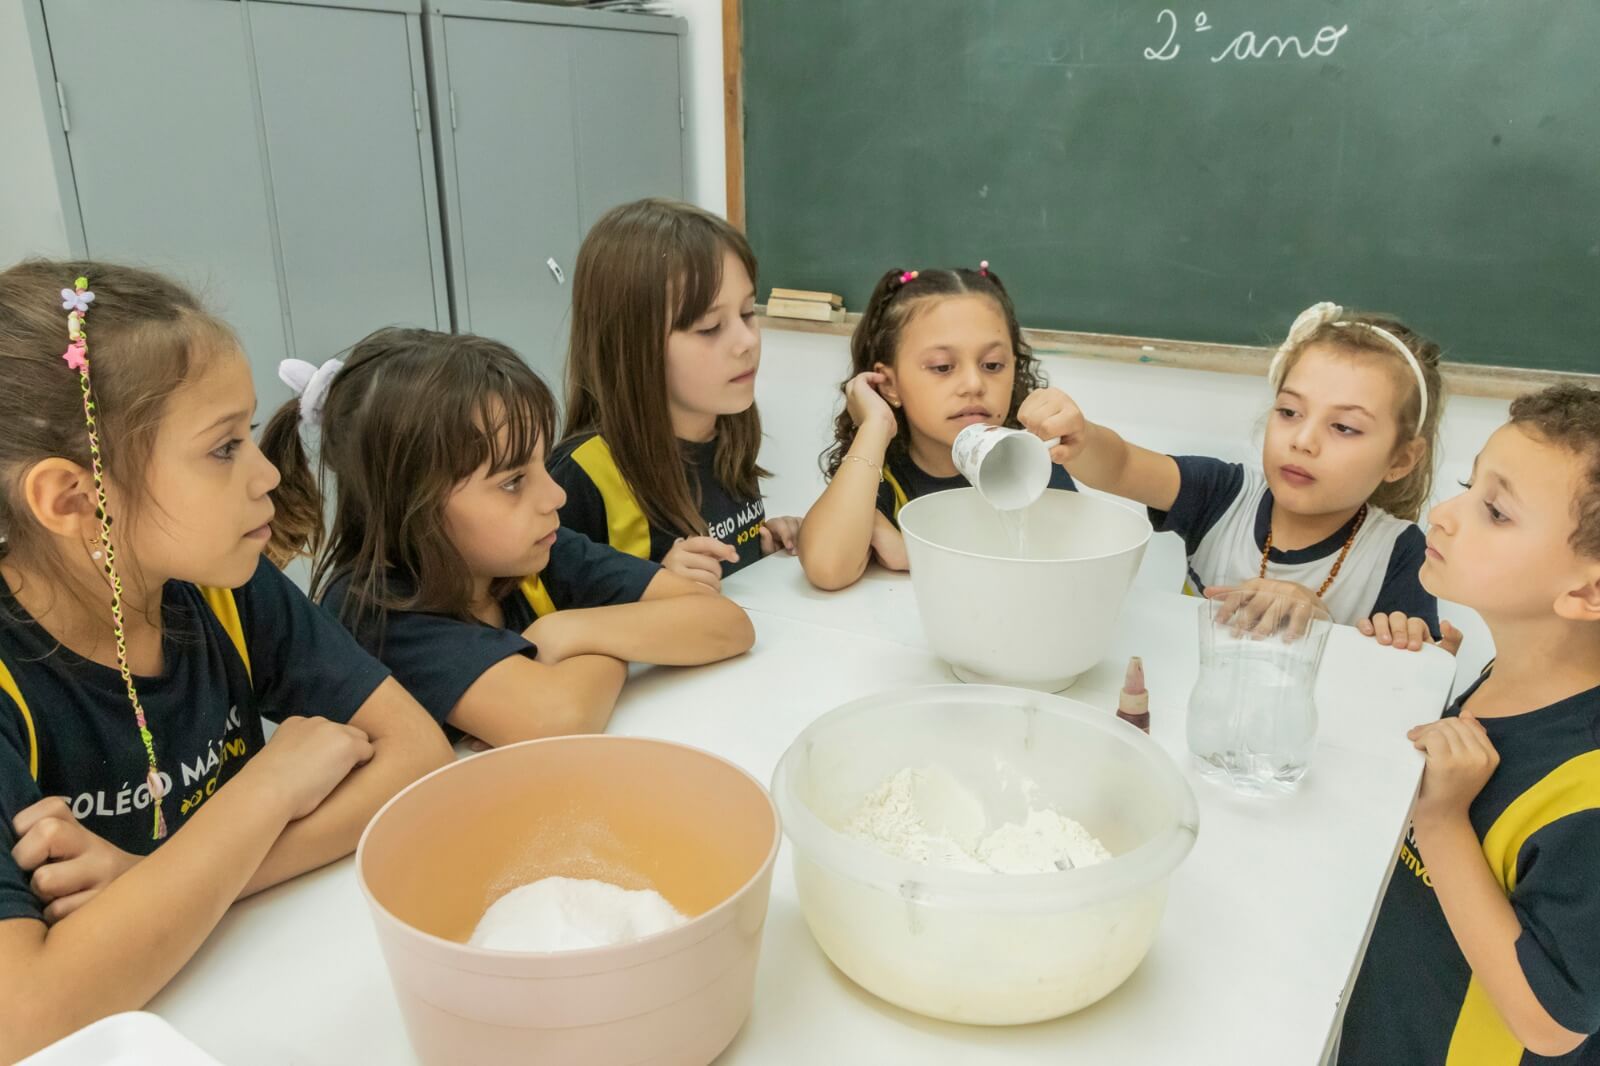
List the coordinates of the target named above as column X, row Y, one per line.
column 1263, row 928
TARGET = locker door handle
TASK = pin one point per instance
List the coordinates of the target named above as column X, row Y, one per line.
column 556, row 271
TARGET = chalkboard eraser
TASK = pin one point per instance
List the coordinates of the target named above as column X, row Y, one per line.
column 830, row 298
column 810, row 310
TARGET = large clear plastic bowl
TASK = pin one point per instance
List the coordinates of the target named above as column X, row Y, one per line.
column 992, row 949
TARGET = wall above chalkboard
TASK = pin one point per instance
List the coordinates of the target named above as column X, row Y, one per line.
column 1200, row 172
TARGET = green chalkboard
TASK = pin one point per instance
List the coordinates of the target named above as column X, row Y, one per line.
column 1200, row 172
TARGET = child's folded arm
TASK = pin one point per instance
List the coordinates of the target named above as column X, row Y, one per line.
column 118, row 950
column 406, row 745
column 677, row 622
column 521, row 699
column 835, row 543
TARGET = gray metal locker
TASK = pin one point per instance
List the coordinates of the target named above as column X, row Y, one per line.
column 629, row 123
column 513, row 183
column 279, row 156
column 350, row 156
column 161, row 129
column 547, row 117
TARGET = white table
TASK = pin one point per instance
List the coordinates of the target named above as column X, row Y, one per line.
column 1266, row 918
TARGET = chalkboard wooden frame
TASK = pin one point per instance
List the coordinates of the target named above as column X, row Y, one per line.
column 733, row 106
column 1460, row 379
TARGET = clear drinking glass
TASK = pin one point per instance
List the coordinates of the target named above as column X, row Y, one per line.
column 1252, row 713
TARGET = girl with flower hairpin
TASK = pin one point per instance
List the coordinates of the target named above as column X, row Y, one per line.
column 143, row 642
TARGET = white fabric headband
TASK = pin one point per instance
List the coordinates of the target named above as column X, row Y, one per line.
column 1318, row 315
column 310, row 383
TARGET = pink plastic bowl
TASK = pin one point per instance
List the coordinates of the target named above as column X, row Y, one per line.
column 638, row 813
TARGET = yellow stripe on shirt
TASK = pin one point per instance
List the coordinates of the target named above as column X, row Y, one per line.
column 8, row 685
column 538, row 596
column 627, row 529
column 900, row 499
column 222, row 604
column 1481, row 1037
column 226, row 608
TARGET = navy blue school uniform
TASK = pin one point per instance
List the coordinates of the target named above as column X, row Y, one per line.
column 1224, row 511
column 903, row 481
column 438, row 657
column 230, row 660
column 603, row 507
column 1416, row 1000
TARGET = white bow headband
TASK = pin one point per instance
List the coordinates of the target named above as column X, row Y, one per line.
column 1318, row 315
column 310, row 383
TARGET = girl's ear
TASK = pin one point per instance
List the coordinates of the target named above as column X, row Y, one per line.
column 60, row 496
column 890, row 390
column 1406, row 459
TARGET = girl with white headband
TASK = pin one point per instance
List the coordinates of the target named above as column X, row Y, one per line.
column 1346, row 468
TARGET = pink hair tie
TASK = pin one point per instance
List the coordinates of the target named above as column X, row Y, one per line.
column 908, row 275
column 983, row 268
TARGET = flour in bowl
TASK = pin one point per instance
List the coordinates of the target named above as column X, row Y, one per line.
column 565, row 914
column 926, row 816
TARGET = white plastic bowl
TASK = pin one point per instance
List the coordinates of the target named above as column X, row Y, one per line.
column 135, row 1038
column 1039, row 618
column 990, row 949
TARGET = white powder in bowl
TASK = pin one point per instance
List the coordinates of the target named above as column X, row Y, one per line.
column 565, row 914
column 926, row 816
column 1046, row 841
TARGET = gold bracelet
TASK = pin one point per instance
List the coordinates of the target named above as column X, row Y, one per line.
column 876, row 469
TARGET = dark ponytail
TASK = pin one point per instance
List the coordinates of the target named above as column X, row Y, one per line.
column 297, row 525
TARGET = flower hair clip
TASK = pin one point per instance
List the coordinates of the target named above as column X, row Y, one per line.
column 75, row 301
column 78, row 298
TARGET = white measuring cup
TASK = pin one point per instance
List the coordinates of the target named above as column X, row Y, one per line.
column 1009, row 467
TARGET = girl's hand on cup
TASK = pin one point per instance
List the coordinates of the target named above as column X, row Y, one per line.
column 1053, row 417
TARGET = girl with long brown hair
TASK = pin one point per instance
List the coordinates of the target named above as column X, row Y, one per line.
column 143, row 643
column 445, row 556
column 659, row 455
